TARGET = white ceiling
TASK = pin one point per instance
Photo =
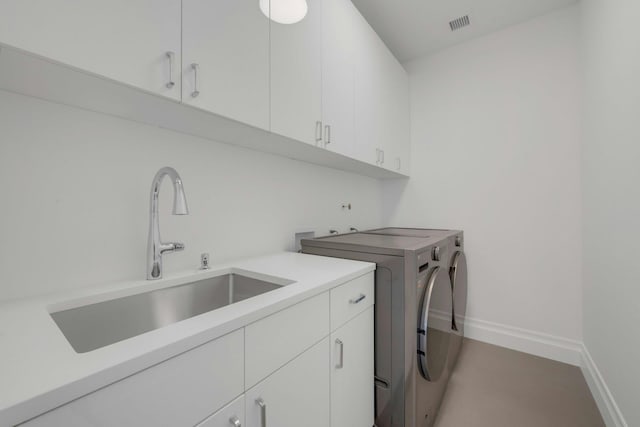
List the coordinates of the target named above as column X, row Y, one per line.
column 413, row 28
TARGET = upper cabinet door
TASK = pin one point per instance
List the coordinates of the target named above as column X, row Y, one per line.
column 402, row 121
column 369, row 93
column 338, row 75
column 228, row 41
column 124, row 40
column 381, row 103
column 296, row 76
column 395, row 126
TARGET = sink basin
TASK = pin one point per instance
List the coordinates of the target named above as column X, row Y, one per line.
column 97, row 325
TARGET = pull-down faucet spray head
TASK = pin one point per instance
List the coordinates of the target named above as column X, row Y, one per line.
column 179, row 199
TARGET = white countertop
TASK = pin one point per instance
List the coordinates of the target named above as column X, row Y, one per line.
column 39, row 370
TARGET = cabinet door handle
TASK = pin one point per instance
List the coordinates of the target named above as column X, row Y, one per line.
column 170, row 57
column 318, row 132
column 327, row 134
column 382, row 154
column 235, row 422
column 358, row 299
column 195, row 92
column 340, row 363
column 377, row 156
column 263, row 412
column 399, row 163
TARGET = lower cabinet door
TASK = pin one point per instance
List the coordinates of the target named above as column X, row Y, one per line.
column 231, row 415
column 352, row 381
column 178, row 392
column 295, row 395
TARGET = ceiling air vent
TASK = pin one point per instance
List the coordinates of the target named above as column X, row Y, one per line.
column 461, row 22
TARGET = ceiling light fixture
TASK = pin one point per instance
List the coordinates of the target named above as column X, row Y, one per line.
column 284, row 11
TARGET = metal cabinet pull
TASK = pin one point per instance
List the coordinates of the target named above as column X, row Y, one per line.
column 377, row 156
column 382, row 153
column 399, row 163
column 318, row 132
column 327, row 134
column 195, row 92
column 263, row 412
column 170, row 56
column 358, row 299
column 235, row 422
column 340, row 363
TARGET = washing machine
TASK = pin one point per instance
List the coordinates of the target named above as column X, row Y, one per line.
column 414, row 317
column 456, row 262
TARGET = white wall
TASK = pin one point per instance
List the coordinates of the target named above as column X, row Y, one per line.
column 611, row 176
column 75, row 198
column 496, row 152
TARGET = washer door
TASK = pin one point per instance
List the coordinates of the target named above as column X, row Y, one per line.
column 458, row 273
column 434, row 330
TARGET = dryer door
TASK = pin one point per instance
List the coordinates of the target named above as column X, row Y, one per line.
column 458, row 273
column 434, row 330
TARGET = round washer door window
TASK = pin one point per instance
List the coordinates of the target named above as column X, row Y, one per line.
column 434, row 329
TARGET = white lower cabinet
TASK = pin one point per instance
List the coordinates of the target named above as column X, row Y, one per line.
column 231, row 415
column 272, row 342
column 299, row 374
column 352, row 373
column 181, row 391
column 296, row 395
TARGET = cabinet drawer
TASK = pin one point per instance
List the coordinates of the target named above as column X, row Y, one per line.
column 181, row 391
column 273, row 341
column 227, row 416
column 350, row 299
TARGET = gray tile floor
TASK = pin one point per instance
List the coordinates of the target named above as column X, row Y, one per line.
column 497, row 387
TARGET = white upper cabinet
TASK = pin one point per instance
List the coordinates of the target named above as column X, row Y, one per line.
column 124, row 40
column 395, row 111
column 402, row 120
column 338, row 75
column 228, row 40
column 296, row 76
column 381, row 103
column 274, row 82
column 368, row 93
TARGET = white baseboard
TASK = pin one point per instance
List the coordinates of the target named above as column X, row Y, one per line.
column 551, row 347
column 601, row 393
column 544, row 345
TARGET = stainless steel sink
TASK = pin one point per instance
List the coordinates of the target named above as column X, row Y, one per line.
column 96, row 325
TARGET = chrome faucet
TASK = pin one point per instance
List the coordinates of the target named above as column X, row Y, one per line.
column 155, row 247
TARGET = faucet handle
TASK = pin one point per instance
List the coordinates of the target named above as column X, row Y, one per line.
column 171, row 247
